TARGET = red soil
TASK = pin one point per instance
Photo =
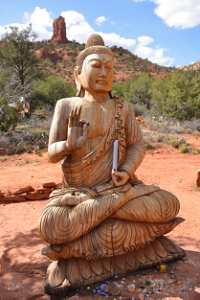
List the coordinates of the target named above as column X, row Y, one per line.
column 22, row 268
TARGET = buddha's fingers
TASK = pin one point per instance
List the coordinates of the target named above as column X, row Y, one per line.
column 76, row 116
column 71, row 118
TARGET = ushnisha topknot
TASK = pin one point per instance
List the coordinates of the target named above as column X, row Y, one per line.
column 95, row 44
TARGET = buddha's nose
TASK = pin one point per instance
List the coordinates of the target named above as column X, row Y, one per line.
column 103, row 71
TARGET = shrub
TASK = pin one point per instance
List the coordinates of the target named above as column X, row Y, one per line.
column 51, row 89
column 161, row 138
column 196, row 151
column 176, row 142
column 149, row 146
column 8, row 116
column 185, row 149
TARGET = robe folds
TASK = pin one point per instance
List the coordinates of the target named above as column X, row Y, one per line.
column 91, row 218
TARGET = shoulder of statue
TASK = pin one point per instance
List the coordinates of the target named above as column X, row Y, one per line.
column 69, row 100
column 121, row 102
column 65, row 105
column 118, row 98
column 124, row 106
column 68, row 103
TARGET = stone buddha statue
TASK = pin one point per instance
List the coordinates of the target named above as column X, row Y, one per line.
column 104, row 221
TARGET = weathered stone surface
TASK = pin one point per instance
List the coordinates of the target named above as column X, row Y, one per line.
column 26, row 189
column 28, row 193
column 1, row 194
column 49, row 184
column 13, row 199
column 59, row 31
column 198, row 178
column 8, row 193
column 53, row 56
column 37, row 196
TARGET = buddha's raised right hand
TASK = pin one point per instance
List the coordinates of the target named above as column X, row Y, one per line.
column 77, row 130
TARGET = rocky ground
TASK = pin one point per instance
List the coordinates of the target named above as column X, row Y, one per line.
column 22, row 268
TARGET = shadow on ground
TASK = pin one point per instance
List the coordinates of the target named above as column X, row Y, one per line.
column 23, row 271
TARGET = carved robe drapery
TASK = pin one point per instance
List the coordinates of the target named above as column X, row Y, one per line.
column 113, row 220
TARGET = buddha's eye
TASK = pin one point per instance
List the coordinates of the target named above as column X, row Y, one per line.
column 109, row 66
column 96, row 65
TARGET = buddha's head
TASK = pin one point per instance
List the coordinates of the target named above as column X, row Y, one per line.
column 94, row 71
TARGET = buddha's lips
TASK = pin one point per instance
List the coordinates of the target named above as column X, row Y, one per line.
column 102, row 81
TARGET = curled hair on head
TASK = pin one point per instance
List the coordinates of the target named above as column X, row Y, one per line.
column 95, row 44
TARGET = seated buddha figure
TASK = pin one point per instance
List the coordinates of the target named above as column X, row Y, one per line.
column 103, row 221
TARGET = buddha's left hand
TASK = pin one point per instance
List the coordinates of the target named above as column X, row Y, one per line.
column 119, row 178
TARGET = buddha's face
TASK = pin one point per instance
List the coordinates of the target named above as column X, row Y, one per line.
column 97, row 73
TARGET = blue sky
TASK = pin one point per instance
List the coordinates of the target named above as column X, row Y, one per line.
column 164, row 31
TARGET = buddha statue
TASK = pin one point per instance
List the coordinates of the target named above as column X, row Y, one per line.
column 104, row 221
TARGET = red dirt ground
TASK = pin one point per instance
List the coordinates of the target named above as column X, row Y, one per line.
column 22, row 268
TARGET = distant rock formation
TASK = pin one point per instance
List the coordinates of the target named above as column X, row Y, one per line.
column 195, row 66
column 59, row 31
column 53, row 56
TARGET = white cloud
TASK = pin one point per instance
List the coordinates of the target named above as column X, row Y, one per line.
column 76, row 26
column 2, row 29
column 145, row 40
column 155, row 55
column 6, row 28
column 79, row 29
column 39, row 18
column 100, row 20
column 181, row 14
column 112, row 39
column 73, row 18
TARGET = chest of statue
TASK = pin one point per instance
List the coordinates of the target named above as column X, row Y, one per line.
column 99, row 115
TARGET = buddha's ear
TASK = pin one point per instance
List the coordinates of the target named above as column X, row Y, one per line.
column 80, row 91
column 76, row 73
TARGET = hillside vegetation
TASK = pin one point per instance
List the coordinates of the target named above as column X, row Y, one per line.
column 61, row 59
column 42, row 72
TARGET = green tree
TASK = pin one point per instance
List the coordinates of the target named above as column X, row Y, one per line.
column 158, row 92
column 51, row 89
column 117, row 89
column 136, row 90
column 128, row 88
column 140, row 90
column 195, row 96
column 16, row 51
column 8, row 116
column 3, row 78
column 176, row 96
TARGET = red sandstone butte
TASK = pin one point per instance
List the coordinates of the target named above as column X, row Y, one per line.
column 59, row 31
